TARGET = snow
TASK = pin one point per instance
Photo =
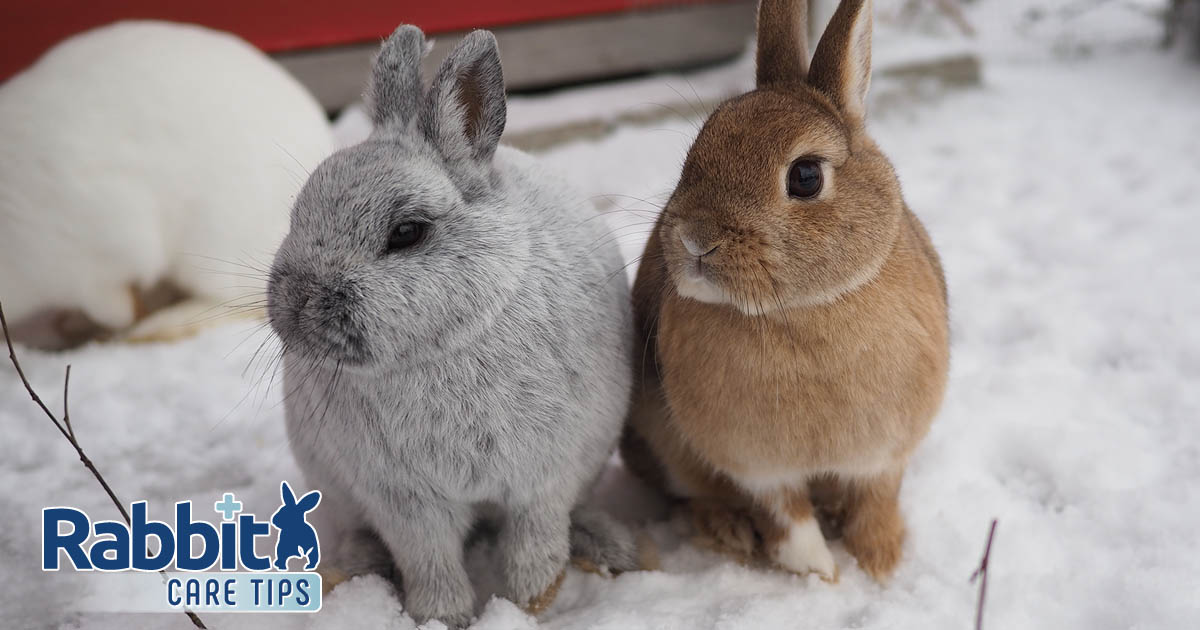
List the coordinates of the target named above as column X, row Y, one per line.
column 1064, row 197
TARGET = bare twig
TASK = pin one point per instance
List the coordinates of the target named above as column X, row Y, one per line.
column 982, row 573
column 64, row 427
column 66, row 403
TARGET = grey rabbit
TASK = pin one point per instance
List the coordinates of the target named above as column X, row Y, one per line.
column 457, row 338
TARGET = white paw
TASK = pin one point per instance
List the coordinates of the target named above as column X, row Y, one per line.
column 804, row 551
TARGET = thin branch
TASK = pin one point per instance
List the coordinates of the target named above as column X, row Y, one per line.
column 982, row 572
column 12, row 356
column 67, row 404
column 64, row 427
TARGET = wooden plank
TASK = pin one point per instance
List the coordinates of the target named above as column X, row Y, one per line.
column 29, row 28
column 563, row 51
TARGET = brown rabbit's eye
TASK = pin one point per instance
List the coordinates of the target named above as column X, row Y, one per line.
column 404, row 235
column 804, row 179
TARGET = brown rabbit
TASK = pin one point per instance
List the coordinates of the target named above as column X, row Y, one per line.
column 792, row 310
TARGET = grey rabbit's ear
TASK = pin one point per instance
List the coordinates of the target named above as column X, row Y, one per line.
column 394, row 93
column 465, row 114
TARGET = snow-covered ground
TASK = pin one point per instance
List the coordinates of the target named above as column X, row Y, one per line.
column 1064, row 196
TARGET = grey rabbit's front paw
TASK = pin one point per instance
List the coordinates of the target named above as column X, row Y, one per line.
column 599, row 542
column 536, row 549
column 533, row 585
column 449, row 601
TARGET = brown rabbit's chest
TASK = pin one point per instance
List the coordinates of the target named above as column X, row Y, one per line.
column 768, row 399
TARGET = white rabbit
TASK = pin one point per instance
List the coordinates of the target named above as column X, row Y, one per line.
column 142, row 154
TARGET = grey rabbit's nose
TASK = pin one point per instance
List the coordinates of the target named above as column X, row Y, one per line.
column 696, row 249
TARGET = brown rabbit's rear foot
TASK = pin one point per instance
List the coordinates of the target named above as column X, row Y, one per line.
column 330, row 578
column 877, row 553
column 539, row 604
column 874, row 530
column 724, row 528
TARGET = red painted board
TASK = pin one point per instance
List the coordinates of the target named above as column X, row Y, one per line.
column 30, row 27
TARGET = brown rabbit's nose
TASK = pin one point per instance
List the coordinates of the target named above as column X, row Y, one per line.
column 699, row 250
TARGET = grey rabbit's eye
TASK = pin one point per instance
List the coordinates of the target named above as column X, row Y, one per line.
column 405, row 235
column 804, row 179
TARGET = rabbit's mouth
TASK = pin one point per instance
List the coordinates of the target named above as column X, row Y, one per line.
column 346, row 348
column 321, row 341
column 317, row 321
column 707, row 266
column 329, row 344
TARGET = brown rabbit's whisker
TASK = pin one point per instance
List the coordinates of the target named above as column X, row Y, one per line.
column 661, row 293
column 685, row 135
column 678, row 114
column 601, row 214
column 706, row 110
column 599, row 288
column 700, row 111
column 619, row 238
column 635, row 198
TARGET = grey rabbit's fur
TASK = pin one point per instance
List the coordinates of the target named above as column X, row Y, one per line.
column 484, row 370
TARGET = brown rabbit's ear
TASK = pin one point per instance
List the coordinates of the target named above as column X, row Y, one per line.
column 782, row 42
column 841, row 67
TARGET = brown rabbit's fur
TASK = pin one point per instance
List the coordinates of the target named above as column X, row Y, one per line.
column 819, row 354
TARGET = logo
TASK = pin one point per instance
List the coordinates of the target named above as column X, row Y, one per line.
column 209, row 567
column 297, row 539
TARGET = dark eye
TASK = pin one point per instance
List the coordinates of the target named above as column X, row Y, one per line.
column 804, row 178
column 405, row 235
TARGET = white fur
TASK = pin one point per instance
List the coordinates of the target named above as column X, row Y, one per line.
column 862, row 277
column 693, row 247
column 765, row 482
column 693, row 284
column 803, row 550
column 697, row 287
column 146, row 151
